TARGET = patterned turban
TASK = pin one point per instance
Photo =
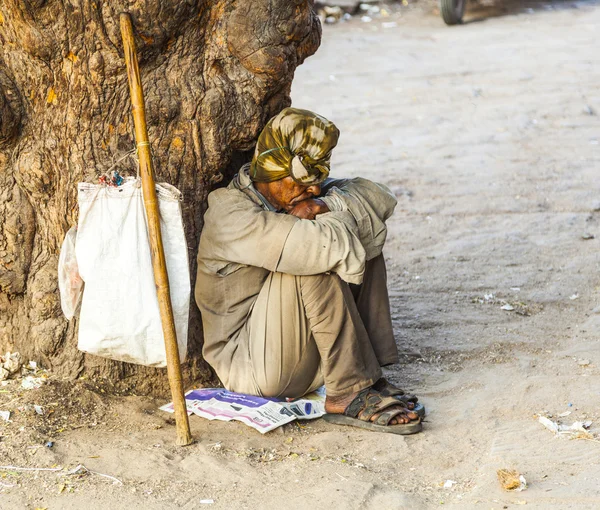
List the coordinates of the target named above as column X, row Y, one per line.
column 295, row 143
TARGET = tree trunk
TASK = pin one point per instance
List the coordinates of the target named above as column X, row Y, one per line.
column 213, row 73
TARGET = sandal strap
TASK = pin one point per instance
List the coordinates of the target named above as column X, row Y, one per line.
column 357, row 404
column 369, row 402
column 385, row 418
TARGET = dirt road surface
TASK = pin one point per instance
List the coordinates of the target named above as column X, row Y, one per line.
column 489, row 134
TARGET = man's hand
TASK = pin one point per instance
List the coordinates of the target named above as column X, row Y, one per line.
column 309, row 209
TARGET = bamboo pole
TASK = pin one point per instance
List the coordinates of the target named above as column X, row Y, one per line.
column 161, row 278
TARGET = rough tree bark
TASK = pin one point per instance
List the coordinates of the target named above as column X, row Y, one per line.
column 213, row 72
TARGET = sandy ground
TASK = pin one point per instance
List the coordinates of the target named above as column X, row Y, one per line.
column 487, row 134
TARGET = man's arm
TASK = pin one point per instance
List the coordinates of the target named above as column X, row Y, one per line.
column 239, row 231
column 370, row 204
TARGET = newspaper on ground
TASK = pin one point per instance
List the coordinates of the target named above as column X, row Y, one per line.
column 260, row 413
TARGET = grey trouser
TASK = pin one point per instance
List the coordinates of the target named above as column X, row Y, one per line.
column 306, row 331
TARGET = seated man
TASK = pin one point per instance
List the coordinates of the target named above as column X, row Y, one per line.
column 292, row 283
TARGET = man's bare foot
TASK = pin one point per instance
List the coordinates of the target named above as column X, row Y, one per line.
column 337, row 405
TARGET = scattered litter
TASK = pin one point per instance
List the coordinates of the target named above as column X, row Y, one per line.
column 80, row 469
column 389, row 24
column 487, row 297
column 39, row 409
column 584, row 362
column 589, row 110
column 507, row 307
column 576, row 429
column 587, row 236
column 574, row 296
column 3, row 374
column 552, row 426
column 207, row 501
column 566, row 413
column 32, row 365
column 5, row 415
column 515, row 289
column 49, row 444
column 449, row 483
column 32, row 383
column 511, row 480
column 366, row 19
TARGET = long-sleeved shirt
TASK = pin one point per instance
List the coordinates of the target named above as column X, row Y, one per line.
column 244, row 239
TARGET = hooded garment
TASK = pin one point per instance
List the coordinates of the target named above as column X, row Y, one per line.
column 295, row 143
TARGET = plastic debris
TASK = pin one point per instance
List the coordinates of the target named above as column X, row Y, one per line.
column 578, row 428
column 207, row 501
column 566, row 413
column 49, row 444
column 389, row 24
column 39, row 409
column 366, row 19
column 587, row 236
column 449, row 483
column 584, row 362
column 32, row 383
column 552, row 426
column 5, row 415
column 511, row 480
column 574, row 296
column 507, row 307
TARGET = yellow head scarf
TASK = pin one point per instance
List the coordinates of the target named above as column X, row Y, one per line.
column 295, row 143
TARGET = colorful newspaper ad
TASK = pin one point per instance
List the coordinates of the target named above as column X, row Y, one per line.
column 262, row 414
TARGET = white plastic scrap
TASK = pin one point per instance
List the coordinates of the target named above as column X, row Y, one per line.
column 449, row 483
column 507, row 307
column 523, row 485
column 207, row 501
column 5, row 415
column 32, row 383
column 559, row 429
column 38, row 409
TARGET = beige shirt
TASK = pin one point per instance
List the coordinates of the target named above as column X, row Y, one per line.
column 243, row 240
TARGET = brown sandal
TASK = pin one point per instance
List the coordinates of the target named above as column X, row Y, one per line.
column 368, row 403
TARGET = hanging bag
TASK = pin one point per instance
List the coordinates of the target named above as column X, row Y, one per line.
column 119, row 317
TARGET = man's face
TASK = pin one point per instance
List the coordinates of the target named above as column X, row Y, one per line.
column 286, row 193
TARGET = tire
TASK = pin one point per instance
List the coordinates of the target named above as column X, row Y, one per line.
column 452, row 11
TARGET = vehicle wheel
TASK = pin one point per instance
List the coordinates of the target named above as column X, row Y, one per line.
column 452, row 11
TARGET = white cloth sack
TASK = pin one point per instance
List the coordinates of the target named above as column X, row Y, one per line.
column 119, row 317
